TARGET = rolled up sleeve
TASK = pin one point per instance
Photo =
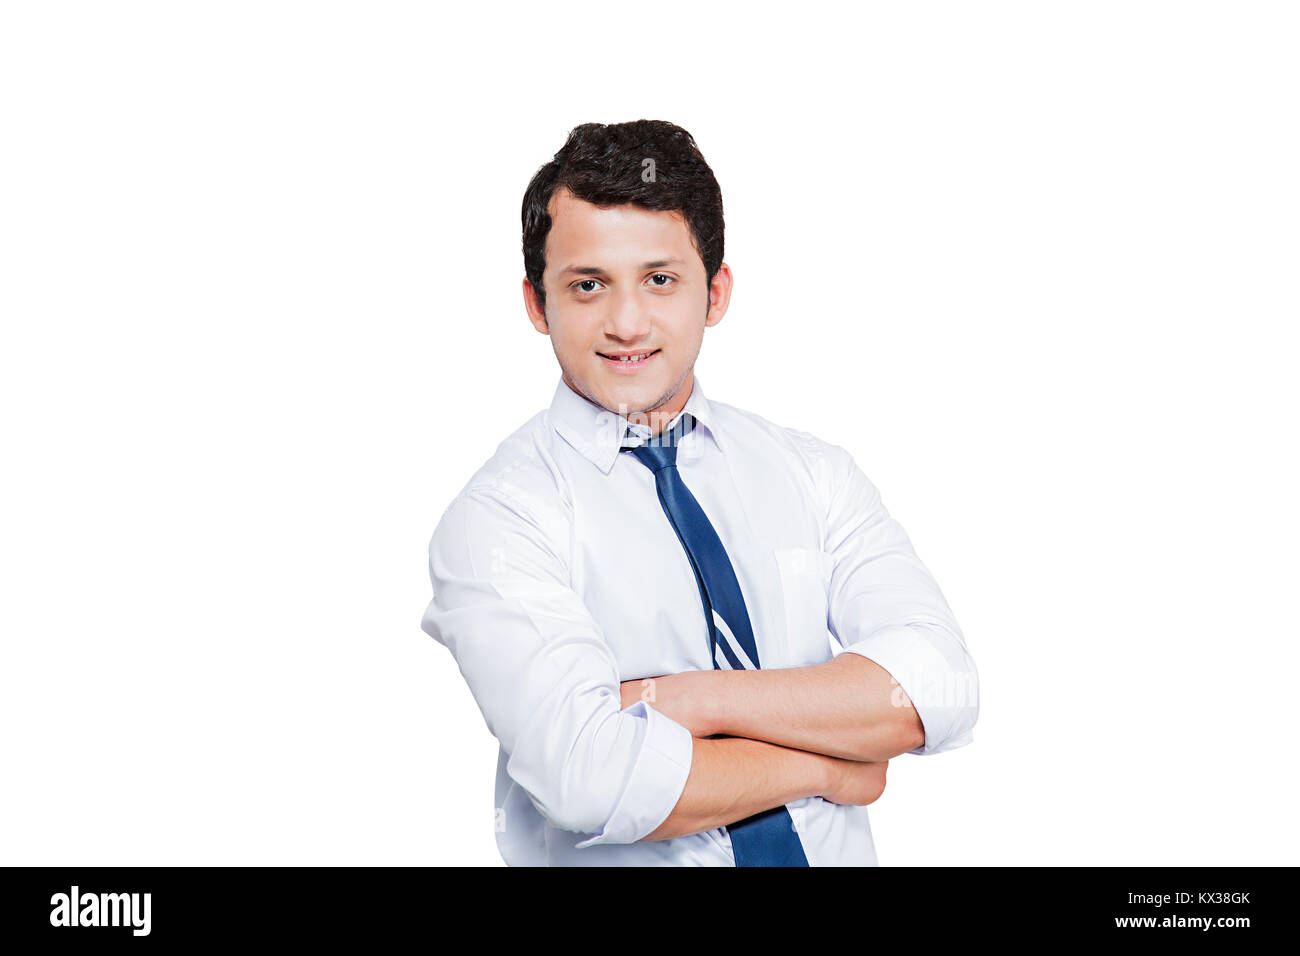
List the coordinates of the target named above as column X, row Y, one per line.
column 542, row 674
column 884, row 605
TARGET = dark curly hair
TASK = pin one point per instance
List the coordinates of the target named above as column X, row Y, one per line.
column 604, row 164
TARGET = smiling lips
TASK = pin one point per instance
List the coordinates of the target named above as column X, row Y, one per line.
column 628, row 361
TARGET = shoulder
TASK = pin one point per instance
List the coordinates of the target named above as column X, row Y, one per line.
column 824, row 463
column 519, row 484
column 830, row 468
column 747, row 423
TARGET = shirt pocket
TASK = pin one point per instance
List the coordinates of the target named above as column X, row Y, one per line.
column 805, row 583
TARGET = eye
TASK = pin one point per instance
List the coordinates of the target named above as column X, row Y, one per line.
column 586, row 285
column 659, row 275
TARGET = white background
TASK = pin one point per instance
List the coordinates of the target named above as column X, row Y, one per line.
column 1033, row 264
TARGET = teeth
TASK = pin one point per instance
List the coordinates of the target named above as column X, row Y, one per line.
column 639, row 358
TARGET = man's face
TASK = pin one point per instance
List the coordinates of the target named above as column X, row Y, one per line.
column 626, row 279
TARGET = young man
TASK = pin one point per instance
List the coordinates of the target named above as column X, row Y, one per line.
column 641, row 584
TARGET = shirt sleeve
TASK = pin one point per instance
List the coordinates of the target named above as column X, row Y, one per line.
column 543, row 676
column 884, row 605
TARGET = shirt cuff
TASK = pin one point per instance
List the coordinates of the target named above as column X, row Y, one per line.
column 656, row 783
column 945, row 695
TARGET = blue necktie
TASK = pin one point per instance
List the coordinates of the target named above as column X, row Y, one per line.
column 767, row 838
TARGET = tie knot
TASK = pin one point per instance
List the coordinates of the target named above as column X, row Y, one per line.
column 660, row 451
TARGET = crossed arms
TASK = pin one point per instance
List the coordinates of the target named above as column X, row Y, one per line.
column 827, row 730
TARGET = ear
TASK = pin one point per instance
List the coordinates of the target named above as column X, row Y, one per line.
column 536, row 314
column 719, row 295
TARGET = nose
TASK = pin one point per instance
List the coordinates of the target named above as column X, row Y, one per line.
column 629, row 320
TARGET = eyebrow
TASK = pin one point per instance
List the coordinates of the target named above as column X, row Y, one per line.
column 597, row 271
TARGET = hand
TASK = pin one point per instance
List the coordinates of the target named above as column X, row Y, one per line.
column 633, row 690
column 857, row 782
column 680, row 697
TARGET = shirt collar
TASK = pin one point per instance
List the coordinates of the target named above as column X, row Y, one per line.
column 597, row 433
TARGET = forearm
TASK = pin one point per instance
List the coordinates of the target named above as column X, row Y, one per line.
column 733, row 778
column 848, row 707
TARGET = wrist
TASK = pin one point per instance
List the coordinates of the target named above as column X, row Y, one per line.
column 709, row 703
column 830, row 774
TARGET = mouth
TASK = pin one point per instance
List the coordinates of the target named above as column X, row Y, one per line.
column 629, row 361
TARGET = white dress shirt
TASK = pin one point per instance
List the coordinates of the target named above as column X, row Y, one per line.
column 556, row 575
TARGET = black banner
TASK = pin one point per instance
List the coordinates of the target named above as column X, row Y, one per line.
column 137, row 906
